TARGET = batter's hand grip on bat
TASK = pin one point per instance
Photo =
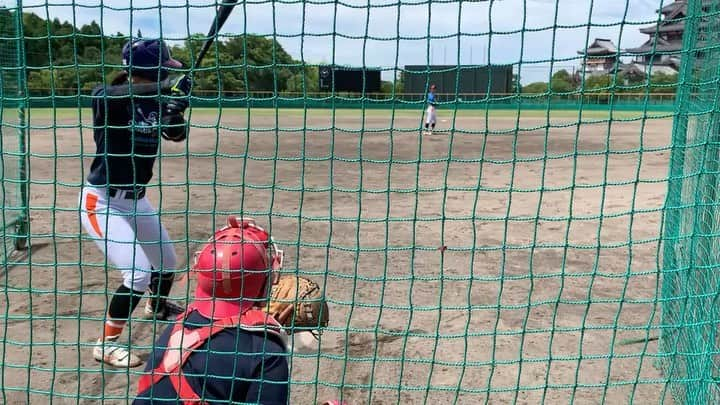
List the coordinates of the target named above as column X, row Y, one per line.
column 182, row 85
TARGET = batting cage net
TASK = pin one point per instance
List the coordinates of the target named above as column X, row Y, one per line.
column 12, row 140
column 540, row 226
column 690, row 286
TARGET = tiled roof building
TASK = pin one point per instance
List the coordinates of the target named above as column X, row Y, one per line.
column 662, row 49
column 600, row 57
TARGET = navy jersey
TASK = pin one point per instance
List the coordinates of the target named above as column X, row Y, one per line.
column 230, row 366
column 127, row 136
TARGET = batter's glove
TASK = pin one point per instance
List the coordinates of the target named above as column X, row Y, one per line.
column 173, row 122
column 173, row 109
column 298, row 304
column 182, row 85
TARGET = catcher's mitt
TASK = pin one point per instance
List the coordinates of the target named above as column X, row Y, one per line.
column 297, row 304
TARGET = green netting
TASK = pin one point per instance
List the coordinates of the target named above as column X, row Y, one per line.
column 690, row 287
column 12, row 138
column 553, row 240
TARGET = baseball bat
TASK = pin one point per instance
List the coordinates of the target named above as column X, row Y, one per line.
column 223, row 12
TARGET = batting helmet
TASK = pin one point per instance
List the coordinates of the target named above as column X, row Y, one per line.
column 148, row 58
column 233, row 269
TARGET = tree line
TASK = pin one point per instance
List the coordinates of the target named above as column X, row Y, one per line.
column 64, row 59
column 563, row 83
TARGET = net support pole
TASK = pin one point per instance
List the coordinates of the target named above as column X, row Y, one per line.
column 23, row 225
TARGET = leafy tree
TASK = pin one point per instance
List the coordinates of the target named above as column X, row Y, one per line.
column 36, row 46
column 598, row 82
column 306, row 79
column 39, row 81
column 89, row 36
column 535, row 88
column 84, row 56
column 562, row 82
column 632, row 81
column 312, row 79
column 598, row 87
column 7, row 21
column 663, row 83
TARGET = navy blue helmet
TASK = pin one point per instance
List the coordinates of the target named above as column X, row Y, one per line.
column 148, row 58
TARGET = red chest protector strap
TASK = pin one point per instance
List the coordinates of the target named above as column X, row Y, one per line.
column 183, row 341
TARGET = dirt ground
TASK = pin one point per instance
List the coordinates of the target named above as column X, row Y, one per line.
column 551, row 232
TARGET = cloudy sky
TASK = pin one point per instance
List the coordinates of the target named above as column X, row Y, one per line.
column 388, row 33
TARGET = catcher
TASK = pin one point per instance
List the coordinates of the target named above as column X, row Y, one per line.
column 228, row 347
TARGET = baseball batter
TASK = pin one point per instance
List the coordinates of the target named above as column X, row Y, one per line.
column 430, row 113
column 113, row 207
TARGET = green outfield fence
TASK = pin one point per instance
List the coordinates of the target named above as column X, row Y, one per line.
column 592, row 100
column 504, row 258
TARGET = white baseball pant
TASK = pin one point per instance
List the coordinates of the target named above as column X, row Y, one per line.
column 129, row 233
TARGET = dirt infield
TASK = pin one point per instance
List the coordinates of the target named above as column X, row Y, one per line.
column 551, row 263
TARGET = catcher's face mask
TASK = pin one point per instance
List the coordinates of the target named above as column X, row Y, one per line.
column 237, row 267
column 275, row 256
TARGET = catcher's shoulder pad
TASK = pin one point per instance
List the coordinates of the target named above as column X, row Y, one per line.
column 257, row 320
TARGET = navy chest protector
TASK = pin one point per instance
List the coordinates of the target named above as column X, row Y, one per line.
column 183, row 341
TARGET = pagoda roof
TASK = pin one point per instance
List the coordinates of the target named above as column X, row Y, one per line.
column 661, row 46
column 600, row 47
column 678, row 5
column 636, row 68
column 676, row 14
column 670, row 26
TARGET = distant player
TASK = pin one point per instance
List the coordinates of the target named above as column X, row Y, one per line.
column 226, row 348
column 113, row 207
column 430, row 113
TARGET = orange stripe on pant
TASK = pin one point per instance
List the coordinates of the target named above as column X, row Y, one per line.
column 91, row 204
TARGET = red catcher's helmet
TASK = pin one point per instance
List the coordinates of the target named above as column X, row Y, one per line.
column 233, row 269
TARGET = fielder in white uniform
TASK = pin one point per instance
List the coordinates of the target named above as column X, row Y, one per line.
column 430, row 113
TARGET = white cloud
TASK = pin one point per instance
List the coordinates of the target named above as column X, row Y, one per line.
column 388, row 33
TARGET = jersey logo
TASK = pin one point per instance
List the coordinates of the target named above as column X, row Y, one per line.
column 144, row 123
